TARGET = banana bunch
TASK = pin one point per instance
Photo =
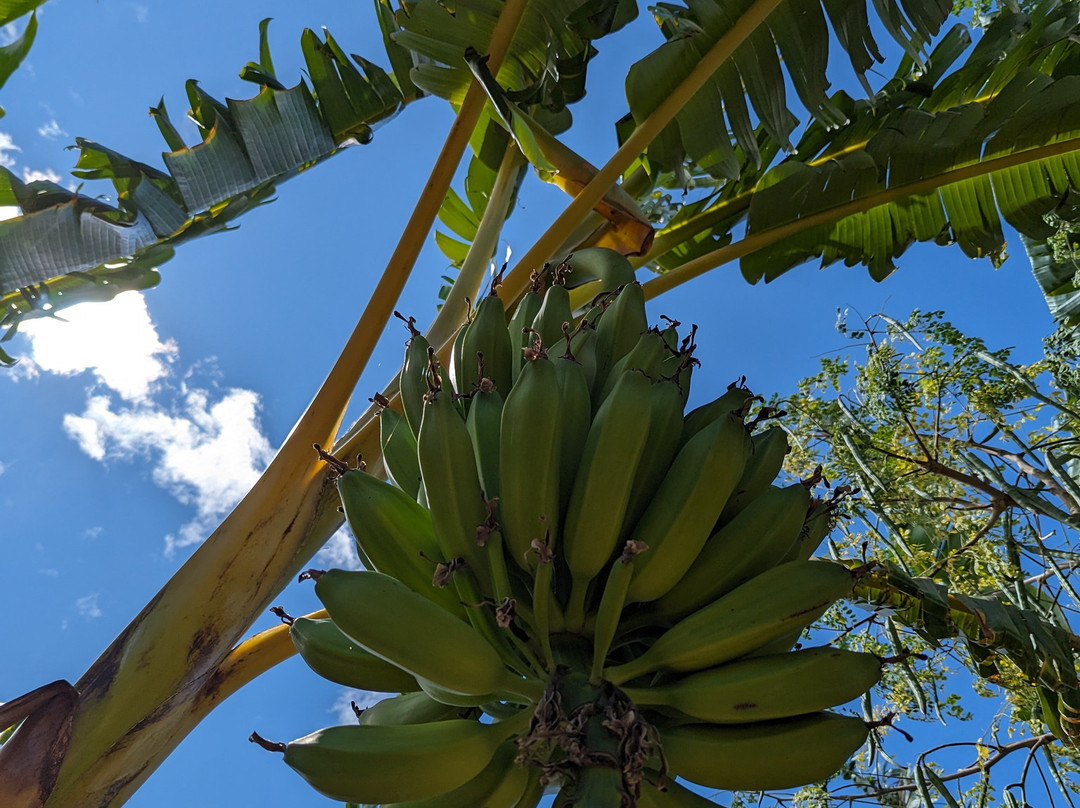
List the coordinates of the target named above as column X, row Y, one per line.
column 573, row 584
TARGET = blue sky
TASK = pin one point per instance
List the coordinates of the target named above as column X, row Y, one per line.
column 132, row 428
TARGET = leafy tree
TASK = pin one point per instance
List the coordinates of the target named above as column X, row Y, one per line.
column 713, row 167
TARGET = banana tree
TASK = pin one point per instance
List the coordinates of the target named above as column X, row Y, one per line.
column 993, row 126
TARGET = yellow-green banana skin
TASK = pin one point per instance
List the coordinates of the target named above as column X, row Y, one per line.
column 385, row 764
column 758, row 538
column 452, row 483
column 787, row 753
column 684, row 508
column 673, row 796
column 336, row 657
column 404, row 628
column 768, row 687
column 393, row 533
column 499, row 785
column 408, row 708
column 399, row 451
column 778, row 601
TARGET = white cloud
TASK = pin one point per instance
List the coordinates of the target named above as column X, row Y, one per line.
column 88, row 606
column 342, row 708
column 8, row 34
column 33, row 175
column 3, row 468
column 7, row 145
column 339, row 552
column 51, row 130
column 206, row 455
column 52, row 573
column 116, row 341
column 92, row 532
column 142, row 12
column 205, row 448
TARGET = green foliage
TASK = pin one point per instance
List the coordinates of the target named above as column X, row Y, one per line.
column 966, row 465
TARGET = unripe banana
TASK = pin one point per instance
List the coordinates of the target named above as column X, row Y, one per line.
column 774, row 603
column 731, row 401
column 393, row 622
column 602, row 264
column 619, row 328
column 500, row 785
column 768, row 755
column 601, row 490
column 522, row 319
column 384, row 764
column 684, row 509
column 554, row 311
column 487, row 335
column 399, row 451
column 452, row 698
column 456, row 368
column 408, row 708
column 534, row 790
column 672, row 796
column 484, row 423
column 575, row 415
column 611, row 606
column 646, row 356
column 333, row 656
column 816, row 527
column 770, row 447
column 394, row 534
column 583, row 347
column 757, row 538
column 412, row 381
column 448, row 467
column 529, row 459
column 666, row 402
column 768, row 687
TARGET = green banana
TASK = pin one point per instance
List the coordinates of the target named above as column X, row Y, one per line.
column 483, row 424
column 611, row 606
column 534, row 790
column 448, row 467
column 499, row 785
column 394, row 534
column 456, row 366
column 619, row 328
column 684, row 508
column 591, row 264
column 765, row 462
column 554, row 311
column 408, row 708
column 819, row 519
column 758, row 538
column 673, row 795
column 385, row 764
column 583, row 348
column 399, row 451
column 767, row 687
column 774, row 603
column 488, row 336
column 735, row 399
column 529, row 459
column 601, row 489
column 412, row 381
column 665, row 426
column 646, row 356
column 520, row 337
column 404, row 628
column 575, row 415
column 333, row 656
column 768, row 755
